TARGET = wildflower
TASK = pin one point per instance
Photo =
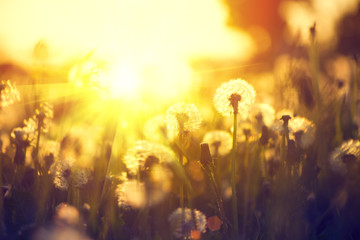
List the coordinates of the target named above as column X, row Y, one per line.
column 8, row 94
column 183, row 221
column 303, row 130
column 300, row 128
column 247, row 131
column 44, row 116
column 29, row 132
column 235, row 96
column 65, row 174
column 263, row 113
column 155, row 128
column 49, row 152
column 21, row 138
column 144, row 154
column 151, row 191
column 220, row 142
column 345, row 155
column 182, row 119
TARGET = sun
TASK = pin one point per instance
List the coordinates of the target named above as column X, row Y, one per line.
column 122, row 82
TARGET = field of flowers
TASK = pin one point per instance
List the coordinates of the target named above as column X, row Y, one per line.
column 241, row 156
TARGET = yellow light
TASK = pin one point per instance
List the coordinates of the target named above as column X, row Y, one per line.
column 122, row 82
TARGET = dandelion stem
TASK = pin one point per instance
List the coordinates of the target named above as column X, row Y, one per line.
column 219, row 201
column 246, row 194
column 37, row 166
column 338, row 132
column 182, row 185
column 233, row 181
column 354, row 91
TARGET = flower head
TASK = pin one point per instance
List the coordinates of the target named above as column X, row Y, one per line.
column 220, row 142
column 155, row 128
column 65, row 173
column 8, row 94
column 182, row 119
column 262, row 113
column 44, row 116
column 137, row 194
column 300, row 129
column 48, row 152
column 344, row 155
column 235, row 96
column 183, row 221
column 303, row 130
column 144, row 154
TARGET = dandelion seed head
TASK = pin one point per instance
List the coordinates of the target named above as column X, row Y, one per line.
column 65, row 173
column 305, row 127
column 8, row 93
column 45, row 115
column 236, row 93
column 340, row 154
column 136, row 157
column 60, row 171
column 131, row 194
column 220, row 142
column 20, row 136
column 246, row 129
column 79, row 176
column 183, row 221
column 182, row 119
column 49, row 151
column 263, row 113
column 155, row 128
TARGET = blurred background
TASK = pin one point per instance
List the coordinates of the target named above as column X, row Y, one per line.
column 146, row 55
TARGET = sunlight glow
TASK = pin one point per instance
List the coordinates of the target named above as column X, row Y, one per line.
column 153, row 41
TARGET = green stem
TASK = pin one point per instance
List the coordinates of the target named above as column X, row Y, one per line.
column 354, row 92
column 219, row 201
column 338, row 131
column 182, row 205
column 263, row 160
column 36, row 162
column 233, row 181
column 246, row 194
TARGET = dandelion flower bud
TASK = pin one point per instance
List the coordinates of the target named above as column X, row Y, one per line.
column 235, row 96
column 205, row 158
